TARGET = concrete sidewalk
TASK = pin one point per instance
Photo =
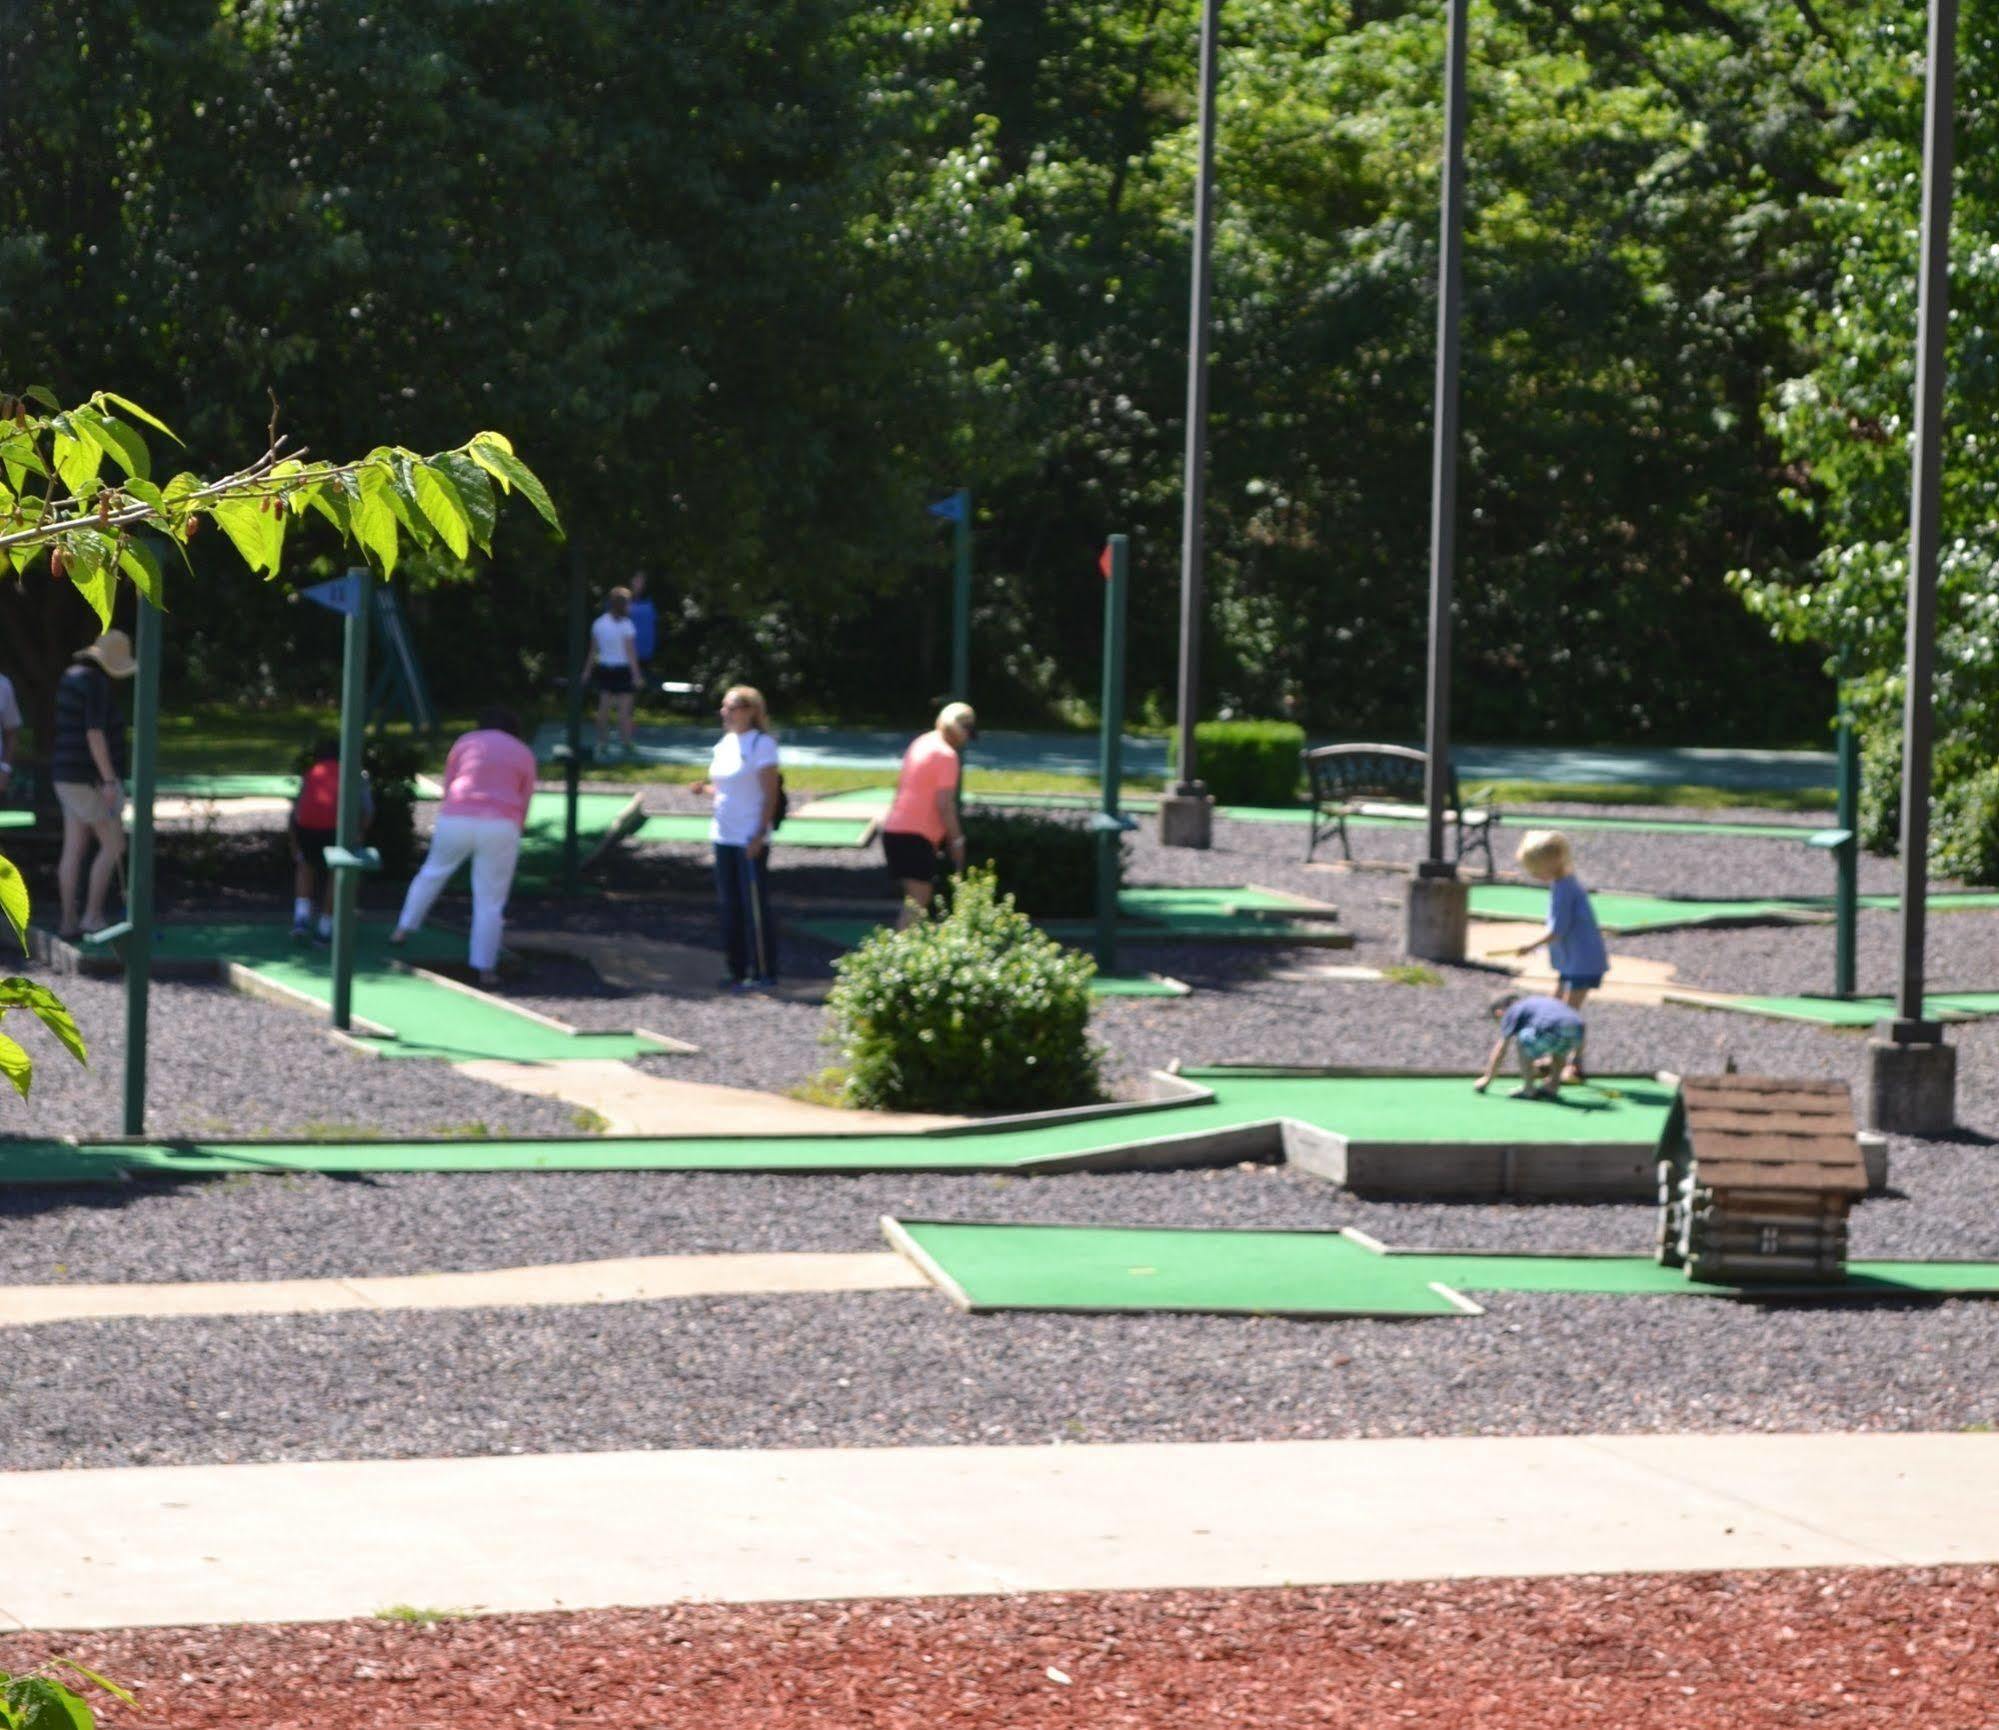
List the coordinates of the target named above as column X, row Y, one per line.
column 267, row 1543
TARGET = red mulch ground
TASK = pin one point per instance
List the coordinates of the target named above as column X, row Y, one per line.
column 1712, row 1651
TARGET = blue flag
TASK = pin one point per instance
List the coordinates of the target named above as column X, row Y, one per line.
column 951, row 509
column 341, row 595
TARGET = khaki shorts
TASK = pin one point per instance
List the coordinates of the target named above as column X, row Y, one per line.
column 87, row 804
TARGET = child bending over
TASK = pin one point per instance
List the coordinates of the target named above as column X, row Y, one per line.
column 1549, row 1033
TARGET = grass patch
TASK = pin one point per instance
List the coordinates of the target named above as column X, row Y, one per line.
column 1411, row 973
column 589, row 1122
column 420, row 1616
column 828, row 1087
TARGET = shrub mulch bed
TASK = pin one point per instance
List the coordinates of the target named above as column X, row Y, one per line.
column 1642, row 1652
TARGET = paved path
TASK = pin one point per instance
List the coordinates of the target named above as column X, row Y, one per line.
column 630, row 1279
column 1076, row 754
column 264, row 1543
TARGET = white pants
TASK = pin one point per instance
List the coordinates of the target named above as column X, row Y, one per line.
column 493, row 844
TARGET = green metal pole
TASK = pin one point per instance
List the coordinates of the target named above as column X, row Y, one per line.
column 1110, row 768
column 572, row 770
column 139, row 883
column 353, row 739
column 1846, row 892
column 961, row 600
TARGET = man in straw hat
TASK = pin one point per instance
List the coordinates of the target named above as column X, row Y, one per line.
column 87, row 765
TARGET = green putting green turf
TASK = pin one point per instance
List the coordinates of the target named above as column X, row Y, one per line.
column 431, row 1020
column 1031, row 1267
column 792, row 832
column 1160, row 915
column 17, row 819
column 1628, row 913
column 1860, row 1011
column 1358, row 1106
column 1055, row 1267
column 195, row 786
column 1443, row 1108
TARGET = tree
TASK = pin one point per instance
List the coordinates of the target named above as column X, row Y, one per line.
column 77, row 490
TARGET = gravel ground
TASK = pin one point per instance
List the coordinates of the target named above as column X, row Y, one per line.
column 1752, row 1651
column 904, row 1368
column 882, row 1368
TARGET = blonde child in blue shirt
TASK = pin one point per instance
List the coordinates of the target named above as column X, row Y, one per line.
column 1574, row 939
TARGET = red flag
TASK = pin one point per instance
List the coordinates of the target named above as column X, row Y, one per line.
column 1104, row 561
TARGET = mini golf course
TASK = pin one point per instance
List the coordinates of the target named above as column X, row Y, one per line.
column 1224, row 1116
column 1845, row 1011
column 1092, row 1269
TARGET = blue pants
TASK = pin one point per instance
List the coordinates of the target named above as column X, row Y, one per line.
column 749, row 934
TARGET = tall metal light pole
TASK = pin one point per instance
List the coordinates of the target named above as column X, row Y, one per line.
column 1186, row 814
column 1438, row 900
column 1912, row 1071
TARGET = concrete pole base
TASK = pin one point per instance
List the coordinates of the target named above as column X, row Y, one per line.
column 1911, row 1089
column 1187, row 819
column 1438, row 908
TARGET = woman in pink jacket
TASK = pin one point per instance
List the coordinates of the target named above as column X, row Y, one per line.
column 488, row 781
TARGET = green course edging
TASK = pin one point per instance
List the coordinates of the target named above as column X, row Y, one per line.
column 1853, row 1011
column 1361, row 1106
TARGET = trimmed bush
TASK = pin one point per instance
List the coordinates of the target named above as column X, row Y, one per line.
column 1881, row 791
column 1047, row 864
column 976, row 1011
column 1248, row 762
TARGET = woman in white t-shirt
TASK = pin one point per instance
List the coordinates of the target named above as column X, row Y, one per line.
column 743, row 777
column 614, row 660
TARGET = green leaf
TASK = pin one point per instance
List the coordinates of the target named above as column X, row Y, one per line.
column 42, row 1704
column 437, row 497
column 47, row 398
column 120, row 443
column 258, row 534
column 139, row 562
column 19, row 1068
column 94, row 577
column 110, row 1687
column 14, row 899
column 47, row 1008
column 146, row 493
column 493, row 454
column 401, row 497
column 331, row 503
column 179, row 487
column 77, row 455
column 132, row 409
column 475, row 493
column 375, row 518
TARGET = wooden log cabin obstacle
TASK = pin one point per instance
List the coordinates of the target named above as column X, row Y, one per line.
column 1757, row 1175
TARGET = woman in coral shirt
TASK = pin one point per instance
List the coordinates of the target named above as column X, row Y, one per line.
column 923, row 819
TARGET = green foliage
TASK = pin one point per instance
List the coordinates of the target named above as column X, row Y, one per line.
column 1047, row 864
column 1411, row 973
column 1964, row 828
column 976, row 1011
column 1249, row 762
column 36, row 1700
column 54, row 498
column 903, row 247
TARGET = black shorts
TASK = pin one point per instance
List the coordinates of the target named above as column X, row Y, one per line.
column 911, row 858
column 309, row 846
column 615, row 681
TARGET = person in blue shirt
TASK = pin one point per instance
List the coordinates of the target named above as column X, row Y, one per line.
column 1550, row 1035
column 1573, row 937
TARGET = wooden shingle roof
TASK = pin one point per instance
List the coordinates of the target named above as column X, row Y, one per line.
column 1764, row 1132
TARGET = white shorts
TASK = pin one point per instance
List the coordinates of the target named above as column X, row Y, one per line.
column 87, row 804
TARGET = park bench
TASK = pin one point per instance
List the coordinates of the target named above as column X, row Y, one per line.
column 1386, row 781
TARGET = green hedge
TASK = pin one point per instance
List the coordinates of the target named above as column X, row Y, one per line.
column 1248, row 762
column 1964, row 809
column 976, row 1011
column 1047, row 864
